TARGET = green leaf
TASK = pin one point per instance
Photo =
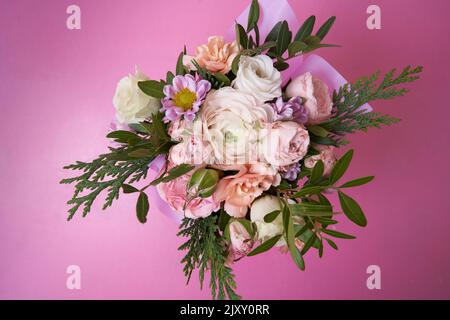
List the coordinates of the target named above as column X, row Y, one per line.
column 123, row 136
column 270, row 217
column 290, row 238
column 169, row 77
column 241, row 36
column 307, row 191
column 302, row 230
column 352, row 209
column 273, row 34
column 141, row 153
column 310, row 209
column 284, row 38
column 129, row 189
column 152, row 88
column 308, row 244
column 253, row 15
column 341, row 166
column 357, row 182
column 224, row 218
column 281, row 65
column 235, row 64
column 173, row 173
column 318, row 131
column 296, row 47
column 265, row 246
column 317, row 172
column 142, row 207
column 332, row 243
column 338, row 234
column 203, row 182
column 306, row 29
column 325, row 28
column 180, row 70
column 222, row 78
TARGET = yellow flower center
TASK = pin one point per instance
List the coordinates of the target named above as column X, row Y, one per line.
column 185, row 98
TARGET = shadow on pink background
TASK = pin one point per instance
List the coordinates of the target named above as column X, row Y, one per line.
column 56, row 91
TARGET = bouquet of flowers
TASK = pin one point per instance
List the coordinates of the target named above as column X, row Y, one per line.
column 244, row 155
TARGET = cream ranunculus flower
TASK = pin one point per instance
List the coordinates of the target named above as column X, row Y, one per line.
column 132, row 105
column 259, row 209
column 231, row 120
column 257, row 76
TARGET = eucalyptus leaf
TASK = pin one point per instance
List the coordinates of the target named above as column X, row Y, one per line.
column 306, row 29
column 253, row 15
column 357, row 182
column 235, row 64
column 338, row 234
column 284, row 38
column 152, row 88
column 317, row 172
column 173, row 173
column 352, row 209
column 341, row 166
column 203, row 182
column 180, row 70
column 296, row 47
column 142, row 207
column 129, row 189
column 290, row 238
column 270, row 217
column 332, row 243
column 265, row 246
column 325, row 28
column 241, row 36
column 273, row 34
column 281, row 65
column 308, row 191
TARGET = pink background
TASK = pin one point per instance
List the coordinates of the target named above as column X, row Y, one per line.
column 56, row 90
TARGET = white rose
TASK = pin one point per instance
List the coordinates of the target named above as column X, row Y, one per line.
column 231, row 120
column 132, row 105
column 259, row 209
column 257, row 76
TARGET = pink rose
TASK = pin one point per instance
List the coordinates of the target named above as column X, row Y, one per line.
column 191, row 151
column 315, row 91
column 216, row 56
column 285, row 143
column 174, row 193
column 241, row 242
column 327, row 156
column 239, row 190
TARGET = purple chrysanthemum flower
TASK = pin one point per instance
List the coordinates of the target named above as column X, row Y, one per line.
column 183, row 97
column 292, row 109
column 290, row 172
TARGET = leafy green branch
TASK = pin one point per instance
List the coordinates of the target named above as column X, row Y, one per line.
column 348, row 100
column 119, row 168
column 206, row 250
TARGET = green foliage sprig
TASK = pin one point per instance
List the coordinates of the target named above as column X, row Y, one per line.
column 280, row 40
column 207, row 251
column 349, row 118
column 120, row 168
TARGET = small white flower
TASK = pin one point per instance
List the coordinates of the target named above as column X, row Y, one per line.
column 132, row 105
column 259, row 209
column 257, row 76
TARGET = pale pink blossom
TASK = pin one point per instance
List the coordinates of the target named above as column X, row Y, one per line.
column 239, row 190
column 327, row 156
column 285, row 143
column 317, row 98
column 175, row 195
